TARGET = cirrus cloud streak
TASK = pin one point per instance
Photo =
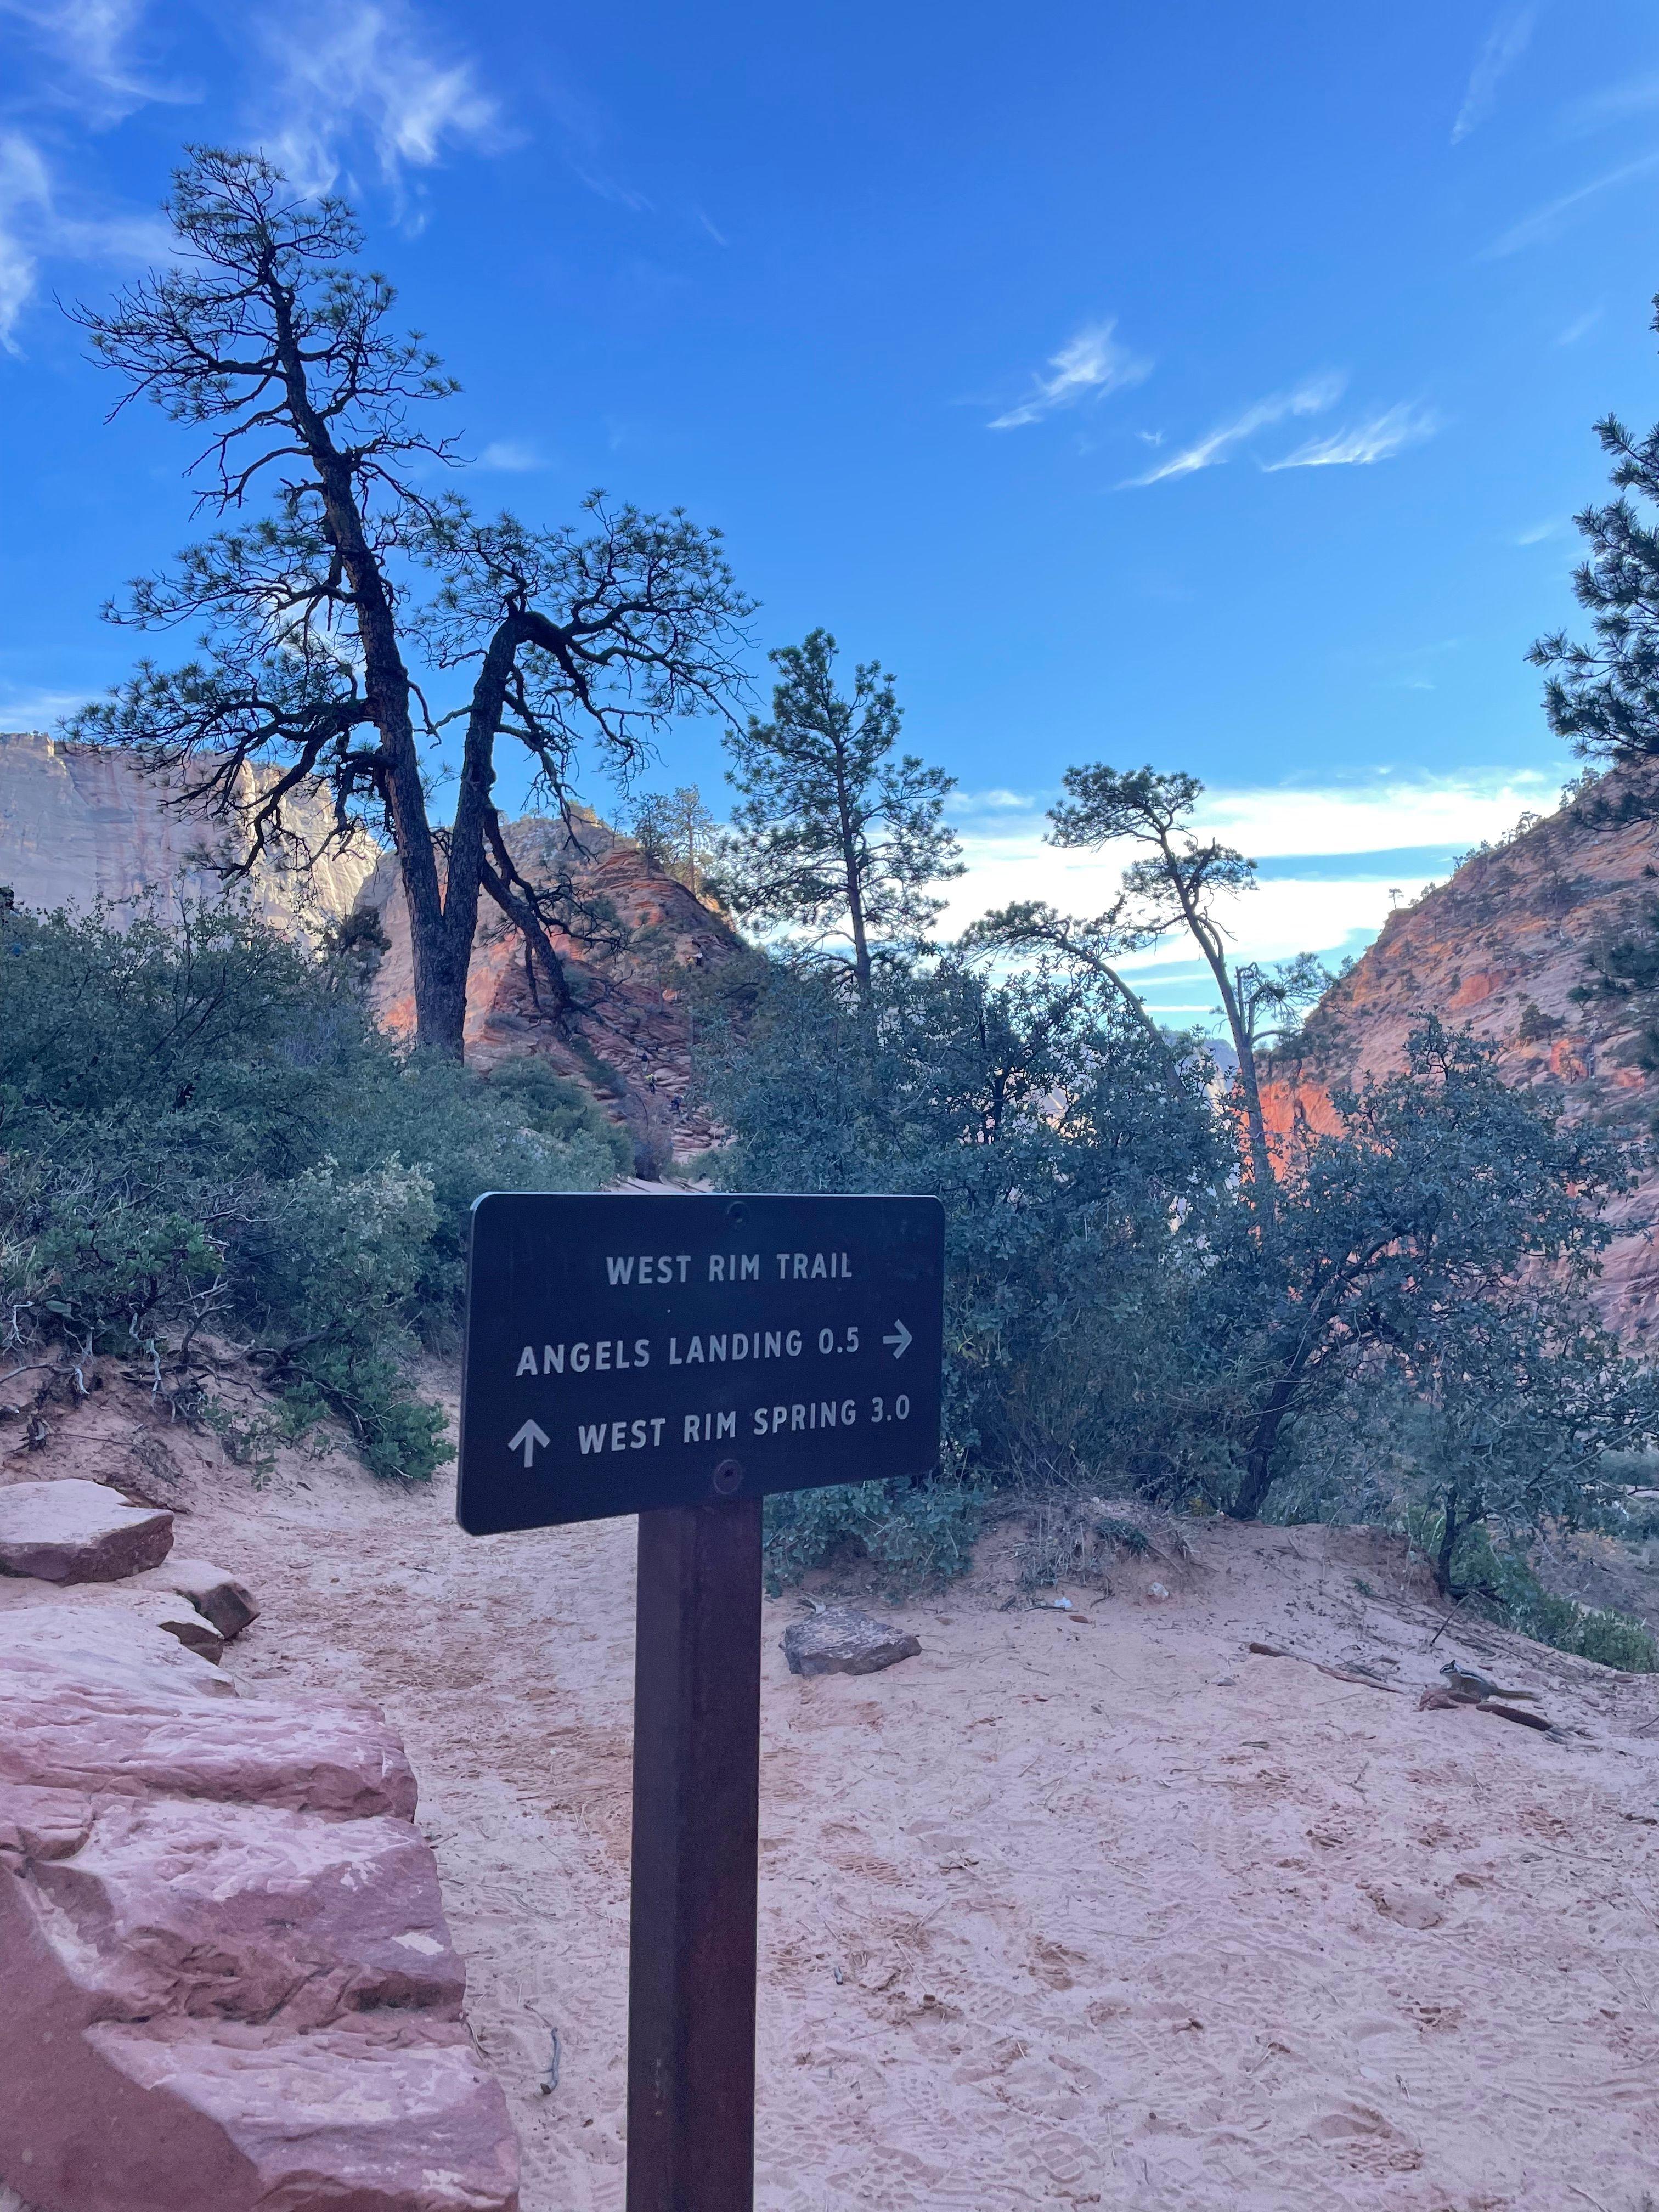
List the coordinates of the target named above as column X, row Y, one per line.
column 1377, row 440
column 1311, row 396
column 1086, row 366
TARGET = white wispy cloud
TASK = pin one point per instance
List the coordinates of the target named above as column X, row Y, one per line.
column 994, row 801
column 1086, row 366
column 1579, row 327
column 36, row 709
column 331, row 72
column 511, row 457
column 92, row 52
column 364, row 67
column 1547, row 223
column 38, row 218
column 1311, row 397
column 82, row 59
column 25, row 204
column 1377, row 440
column 1506, row 42
column 1536, row 533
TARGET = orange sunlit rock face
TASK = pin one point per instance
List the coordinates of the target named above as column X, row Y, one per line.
column 637, row 1022
column 1501, row 949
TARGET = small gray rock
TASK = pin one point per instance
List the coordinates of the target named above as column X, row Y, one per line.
column 70, row 1531
column 839, row 1641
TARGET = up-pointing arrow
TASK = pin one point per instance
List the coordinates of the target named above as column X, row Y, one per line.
column 899, row 1341
column 529, row 1436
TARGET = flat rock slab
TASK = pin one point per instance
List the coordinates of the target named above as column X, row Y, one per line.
column 148, row 1601
column 78, row 1532
column 101, row 1698
column 217, row 1595
column 841, row 1641
column 229, row 1983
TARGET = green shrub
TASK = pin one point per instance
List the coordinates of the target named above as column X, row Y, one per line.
column 1070, row 1156
column 916, row 1533
column 201, row 1129
column 1504, row 1589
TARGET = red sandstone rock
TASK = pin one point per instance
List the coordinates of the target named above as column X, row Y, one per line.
column 85, row 1705
column 216, row 1595
column 78, row 1532
column 1502, row 946
column 174, row 1908
column 166, row 1610
column 640, row 1028
column 216, row 2006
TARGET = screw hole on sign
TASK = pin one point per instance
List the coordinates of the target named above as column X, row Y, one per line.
column 736, row 1212
column 728, row 1478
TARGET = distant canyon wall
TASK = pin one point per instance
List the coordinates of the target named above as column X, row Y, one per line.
column 82, row 823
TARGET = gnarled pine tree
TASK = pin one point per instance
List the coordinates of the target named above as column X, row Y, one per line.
column 333, row 616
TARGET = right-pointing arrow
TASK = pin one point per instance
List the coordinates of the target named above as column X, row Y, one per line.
column 529, row 1436
column 899, row 1342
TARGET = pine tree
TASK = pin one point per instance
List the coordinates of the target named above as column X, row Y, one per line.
column 676, row 831
column 839, row 839
column 1604, row 698
column 334, row 616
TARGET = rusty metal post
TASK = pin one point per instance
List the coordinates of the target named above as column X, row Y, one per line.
column 697, row 1788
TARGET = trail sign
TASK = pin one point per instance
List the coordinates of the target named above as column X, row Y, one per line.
column 679, row 1357
column 625, row 1353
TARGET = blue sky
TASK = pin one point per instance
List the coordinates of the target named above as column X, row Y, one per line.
column 1198, row 383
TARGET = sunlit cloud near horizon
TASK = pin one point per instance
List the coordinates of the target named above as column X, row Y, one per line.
column 1332, row 863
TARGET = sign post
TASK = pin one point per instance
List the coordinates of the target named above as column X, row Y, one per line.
column 696, row 1847
column 680, row 1360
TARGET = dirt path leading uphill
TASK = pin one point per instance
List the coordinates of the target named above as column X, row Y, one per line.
column 1085, row 1909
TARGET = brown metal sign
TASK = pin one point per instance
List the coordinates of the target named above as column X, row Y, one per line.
column 629, row 1353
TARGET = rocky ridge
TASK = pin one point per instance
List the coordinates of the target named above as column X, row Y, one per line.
column 1541, row 945
column 80, row 823
column 632, row 1042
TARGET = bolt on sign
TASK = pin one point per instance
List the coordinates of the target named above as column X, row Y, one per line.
column 625, row 1354
column 678, row 1357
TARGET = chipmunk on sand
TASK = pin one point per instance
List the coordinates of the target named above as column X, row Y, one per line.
column 1464, row 1682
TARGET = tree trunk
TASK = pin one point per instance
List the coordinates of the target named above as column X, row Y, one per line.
column 861, row 970
column 1262, row 1166
column 439, row 992
column 1450, row 1529
column 1252, row 1492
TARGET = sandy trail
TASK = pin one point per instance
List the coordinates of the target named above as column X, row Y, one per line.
column 1094, row 1909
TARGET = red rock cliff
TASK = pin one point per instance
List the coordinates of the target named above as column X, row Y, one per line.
column 1509, row 948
